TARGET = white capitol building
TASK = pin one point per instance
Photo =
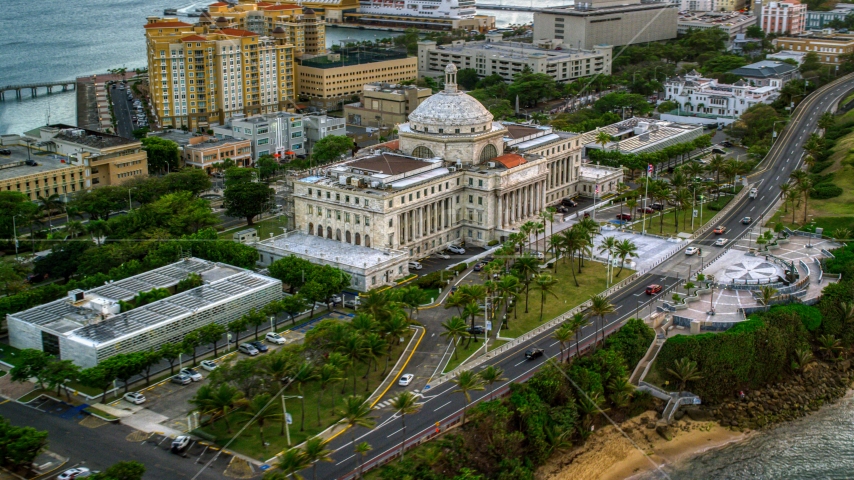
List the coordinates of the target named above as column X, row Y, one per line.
column 454, row 176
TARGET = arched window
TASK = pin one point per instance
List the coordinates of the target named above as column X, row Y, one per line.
column 338, row 234
column 310, row 228
column 320, row 231
column 328, row 232
column 358, row 239
column 347, row 236
column 423, row 152
column 367, row 240
column 488, row 153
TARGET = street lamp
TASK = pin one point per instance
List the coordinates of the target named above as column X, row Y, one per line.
column 285, row 417
column 774, row 129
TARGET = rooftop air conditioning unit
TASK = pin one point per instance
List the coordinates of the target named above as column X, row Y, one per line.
column 452, row 169
column 76, row 295
column 343, row 180
column 375, row 184
column 491, row 164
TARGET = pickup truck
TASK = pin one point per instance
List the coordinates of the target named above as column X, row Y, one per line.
column 753, row 193
column 534, row 353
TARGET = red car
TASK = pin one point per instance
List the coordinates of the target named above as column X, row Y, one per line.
column 720, row 230
column 653, row 289
column 646, row 210
column 624, row 216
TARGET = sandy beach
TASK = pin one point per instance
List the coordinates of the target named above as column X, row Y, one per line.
column 608, row 455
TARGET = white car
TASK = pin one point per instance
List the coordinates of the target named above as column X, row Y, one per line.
column 135, row 398
column 443, row 256
column 721, row 242
column 691, row 250
column 180, row 444
column 405, row 379
column 336, row 299
column 274, row 337
column 456, row 249
column 209, row 365
column 415, row 266
column 72, row 473
column 193, row 374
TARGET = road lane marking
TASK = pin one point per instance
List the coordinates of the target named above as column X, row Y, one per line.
column 348, row 458
column 394, row 432
column 520, row 363
column 444, row 405
column 751, row 208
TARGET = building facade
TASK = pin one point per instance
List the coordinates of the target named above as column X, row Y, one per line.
column 496, row 57
column 302, row 27
column 202, row 75
column 829, row 46
column 319, row 126
column 385, row 104
column 817, row 20
column 763, row 74
column 274, row 134
column 733, row 23
column 642, row 135
column 704, row 99
column 330, row 80
column 453, row 179
column 784, row 18
column 586, row 25
column 88, row 327
column 206, row 152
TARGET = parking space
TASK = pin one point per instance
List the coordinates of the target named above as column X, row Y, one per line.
column 59, row 409
column 198, row 452
column 171, row 399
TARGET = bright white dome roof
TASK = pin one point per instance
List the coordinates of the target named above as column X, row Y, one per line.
column 450, row 109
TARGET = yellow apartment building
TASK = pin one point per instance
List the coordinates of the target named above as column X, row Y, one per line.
column 200, row 75
column 329, row 80
column 304, row 29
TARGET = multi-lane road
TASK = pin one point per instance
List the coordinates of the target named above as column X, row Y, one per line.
column 442, row 406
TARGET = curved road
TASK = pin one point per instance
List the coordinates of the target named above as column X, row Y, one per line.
column 442, row 406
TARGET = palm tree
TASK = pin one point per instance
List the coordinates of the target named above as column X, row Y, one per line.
column 608, row 246
column 413, row 297
column 573, row 240
column 472, row 310
column 304, row 374
column 291, row 462
column 527, row 266
column 685, row 371
column 806, row 188
column 378, row 304
column 466, row 382
column 589, row 406
column 631, row 204
column 508, row 290
column 490, row 375
column 455, row 329
column 599, row 307
column 563, row 334
column 548, row 215
column 257, row 409
column 375, row 346
column 846, row 311
column 660, row 192
column 621, row 391
column 217, row 402
column 314, row 451
column 716, row 165
column 829, row 345
column 98, row 229
column 361, row 450
column 803, row 357
column 545, row 284
column 405, row 404
column 353, row 347
column 74, row 228
column 768, row 294
column 578, row 321
column 602, row 138
column 625, row 248
column 49, row 204
column 356, row 413
column 785, row 190
column 826, row 120
column 328, row 374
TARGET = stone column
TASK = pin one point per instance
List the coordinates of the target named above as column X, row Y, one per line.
column 500, row 221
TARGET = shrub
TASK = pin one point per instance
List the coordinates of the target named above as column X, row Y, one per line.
column 432, row 280
column 810, row 316
column 461, row 267
column 826, row 190
column 492, row 243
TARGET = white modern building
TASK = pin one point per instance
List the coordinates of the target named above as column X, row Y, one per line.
column 642, row 135
column 560, row 60
column 319, row 126
column 274, row 134
column 87, row 327
column 452, row 179
column 705, row 101
column 733, row 23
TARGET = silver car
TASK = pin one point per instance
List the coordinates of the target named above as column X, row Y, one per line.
column 248, row 349
column 182, row 379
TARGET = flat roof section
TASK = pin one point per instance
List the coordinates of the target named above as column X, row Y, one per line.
column 329, row 250
column 389, row 163
column 13, row 165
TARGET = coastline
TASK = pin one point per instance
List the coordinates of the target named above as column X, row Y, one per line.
column 608, row 455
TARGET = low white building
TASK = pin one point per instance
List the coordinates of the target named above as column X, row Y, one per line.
column 733, row 23
column 319, row 126
column 368, row 267
column 596, row 181
column 706, row 101
column 278, row 134
column 641, row 135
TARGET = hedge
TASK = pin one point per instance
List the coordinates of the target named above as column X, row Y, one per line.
column 826, row 190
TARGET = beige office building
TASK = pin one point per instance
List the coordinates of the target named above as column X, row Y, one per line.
column 586, row 25
column 205, row 152
column 329, row 80
column 384, row 104
column 829, row 47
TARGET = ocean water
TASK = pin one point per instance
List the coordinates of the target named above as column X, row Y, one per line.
column 817, row 447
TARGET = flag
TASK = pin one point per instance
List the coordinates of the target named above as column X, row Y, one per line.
column 597, row 189
column 649, row 169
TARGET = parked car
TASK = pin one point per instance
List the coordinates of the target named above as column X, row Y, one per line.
column 193, row 374
column 624, row 216
column 561, row 209
column 336, row 299
column 746, row 220
column 534, row 353
column 209, row 365
column 182, row 379
column 259, row 346
column 248, row 349
column 653, row 289
column 647, row 210
column 478, row 267
column 135, row 398
column 476, row 330
column 274, row 337
column 36, row 277
column 443, row 255
column 405, row 379
column 72, row 473
column 415, row 265
column 657, row 206
column 569, row 202
column 5, row 151
column 456, row 249
column 691, row 250
column 721, row 242
column 352, row 303
column 180, row 444
column 720, row 230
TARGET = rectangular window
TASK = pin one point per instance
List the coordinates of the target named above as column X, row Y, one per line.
column 358, row 219
column 471, row 199
column 346, row 217
column 367, row 221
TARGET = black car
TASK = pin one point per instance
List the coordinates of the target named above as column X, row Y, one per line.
column 569, row 202
column 259, row 346
column 36, row 277
column 657, row 206
column 534, row 353
column 5, row 151
column 561, row 209
column 476, row 330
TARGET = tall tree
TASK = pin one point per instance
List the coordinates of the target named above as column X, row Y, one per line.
column 355, row 413
column 405, row 404
column 467, row 381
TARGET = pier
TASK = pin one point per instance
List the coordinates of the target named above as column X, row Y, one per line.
column 34, row 88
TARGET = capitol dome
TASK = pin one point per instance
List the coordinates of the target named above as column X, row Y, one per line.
column 450, row 111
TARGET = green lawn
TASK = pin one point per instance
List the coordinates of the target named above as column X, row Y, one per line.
column 9, row 354
column 249, row 442
column 464, row 351
column 264, row 227
column 591, row 282
column 431, row 293
column 653, row 222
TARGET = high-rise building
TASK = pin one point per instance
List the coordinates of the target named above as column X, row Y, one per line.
column 203, row 74
column 303, row 29
column 788, row 17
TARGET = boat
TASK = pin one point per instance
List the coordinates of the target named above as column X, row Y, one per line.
column 451, row 9
column 170, row 11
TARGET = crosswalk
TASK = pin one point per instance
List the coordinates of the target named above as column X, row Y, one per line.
column 386, row 403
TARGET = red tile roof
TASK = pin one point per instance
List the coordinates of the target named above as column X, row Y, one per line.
column 509, row 160
column 236, row 32
column 194, row 38
column 281, row 7
column 167, row 25
column 391, row 145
